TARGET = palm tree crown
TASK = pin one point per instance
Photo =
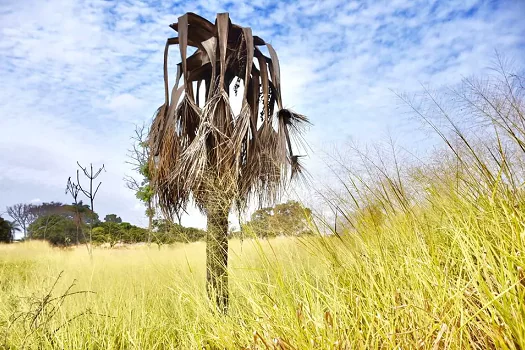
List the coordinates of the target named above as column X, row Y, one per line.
column 199, row 146
column 7, row 230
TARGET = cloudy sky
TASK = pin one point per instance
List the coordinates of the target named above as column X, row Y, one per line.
column 75, row 76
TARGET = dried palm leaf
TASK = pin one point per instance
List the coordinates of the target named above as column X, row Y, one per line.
column 189, row 142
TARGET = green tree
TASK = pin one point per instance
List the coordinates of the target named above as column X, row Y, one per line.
column 56, row 229
column 133, row 234
column 7, row 230
column 49, row 208
column 79, row 213
column 290, row 218
column 138, row 155
column 261, row 223
column 118, row 232
column 99, row 235
column 162, row 232
column 201, row 150
column 112, row 218
column 187, row 234
column 112, row 231
column 167, row 232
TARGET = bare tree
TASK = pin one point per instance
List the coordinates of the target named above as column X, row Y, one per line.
column 90, row 193
column 201, row 150
column 22, row 214
column 74, row 189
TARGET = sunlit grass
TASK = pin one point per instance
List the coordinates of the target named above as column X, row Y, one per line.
column 447, row 278
column 429, row 255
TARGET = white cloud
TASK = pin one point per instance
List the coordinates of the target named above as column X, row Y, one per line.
column 76, row 75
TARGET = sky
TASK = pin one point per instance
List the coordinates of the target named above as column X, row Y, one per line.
column 76, row 76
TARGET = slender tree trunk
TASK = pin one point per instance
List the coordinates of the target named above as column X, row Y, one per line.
column 217, row 257
column 77, row 224
column 150, row 222
column 179, row 217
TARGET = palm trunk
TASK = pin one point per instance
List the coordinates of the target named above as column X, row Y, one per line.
column 217, row 258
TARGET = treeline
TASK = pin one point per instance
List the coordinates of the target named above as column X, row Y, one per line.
column 72, row 224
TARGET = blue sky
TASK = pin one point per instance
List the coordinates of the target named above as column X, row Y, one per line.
column 77, row 75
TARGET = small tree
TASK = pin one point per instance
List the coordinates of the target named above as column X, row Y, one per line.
column 138, row 155
column 75, row 188
column 112, row 229
column 113, row 232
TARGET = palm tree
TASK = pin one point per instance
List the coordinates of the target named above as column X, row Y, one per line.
column 7, row 230
column 201, row 150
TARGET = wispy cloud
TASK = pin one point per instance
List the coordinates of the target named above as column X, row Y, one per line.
column 76, row 75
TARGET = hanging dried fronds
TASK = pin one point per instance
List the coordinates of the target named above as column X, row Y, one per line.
column 197, row 142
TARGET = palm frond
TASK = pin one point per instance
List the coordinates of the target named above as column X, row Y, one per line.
column 199, row 145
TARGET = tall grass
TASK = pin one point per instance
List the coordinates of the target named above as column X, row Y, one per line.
column 431, row 256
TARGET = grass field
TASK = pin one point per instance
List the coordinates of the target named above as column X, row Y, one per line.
column 447, row 277
column 431, row 256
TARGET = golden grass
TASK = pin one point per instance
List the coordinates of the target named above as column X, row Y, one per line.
column 445, row 278
column 433, row 257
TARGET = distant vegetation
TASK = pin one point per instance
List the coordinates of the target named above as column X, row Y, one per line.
column 67, row 224
column 286, row 219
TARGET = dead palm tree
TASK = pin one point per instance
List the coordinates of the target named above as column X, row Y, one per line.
column 202, row 151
